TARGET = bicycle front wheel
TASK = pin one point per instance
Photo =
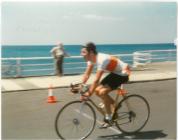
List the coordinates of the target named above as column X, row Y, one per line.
column 76, row 120
column 132, row 114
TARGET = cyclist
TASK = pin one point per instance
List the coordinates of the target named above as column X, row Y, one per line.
column 118, row 74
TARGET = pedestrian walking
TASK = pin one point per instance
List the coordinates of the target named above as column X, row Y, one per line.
column 59, row 54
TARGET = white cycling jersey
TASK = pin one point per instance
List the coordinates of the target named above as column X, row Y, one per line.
column 111, row 64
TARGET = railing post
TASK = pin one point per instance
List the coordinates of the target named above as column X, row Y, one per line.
column 18, row 67
column 148, row 57
column 135, row 59
column 141, row 58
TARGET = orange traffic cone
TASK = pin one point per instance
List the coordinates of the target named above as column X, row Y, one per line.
column 51, row 98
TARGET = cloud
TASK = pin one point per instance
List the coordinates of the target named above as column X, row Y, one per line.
column 99, row 17
column 72, row 16
column 93, row 17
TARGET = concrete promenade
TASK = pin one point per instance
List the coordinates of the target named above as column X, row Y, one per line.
column 149, row 72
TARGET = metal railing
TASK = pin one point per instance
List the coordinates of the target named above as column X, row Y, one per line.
column 38, row 66
column 150, row 56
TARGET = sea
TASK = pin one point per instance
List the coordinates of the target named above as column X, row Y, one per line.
column 23, row 51
column 74, row 50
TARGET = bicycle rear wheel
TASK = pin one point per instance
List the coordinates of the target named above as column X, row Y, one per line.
column 132, row 114
column 76, row 120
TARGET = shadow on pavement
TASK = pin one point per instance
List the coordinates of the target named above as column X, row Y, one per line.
column 140, row 135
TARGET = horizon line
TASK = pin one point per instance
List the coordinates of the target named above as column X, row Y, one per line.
column 82, row 44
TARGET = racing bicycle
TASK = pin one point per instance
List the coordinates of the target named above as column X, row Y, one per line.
column 77, row 119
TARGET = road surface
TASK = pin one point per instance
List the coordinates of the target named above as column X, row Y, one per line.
column 27, row 115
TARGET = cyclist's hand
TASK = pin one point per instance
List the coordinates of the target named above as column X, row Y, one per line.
column 85, row 96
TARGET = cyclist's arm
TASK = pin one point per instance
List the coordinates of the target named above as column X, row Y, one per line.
column 95, row 82
column 87, row 73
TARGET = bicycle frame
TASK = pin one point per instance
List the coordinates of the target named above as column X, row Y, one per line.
column 120, row 92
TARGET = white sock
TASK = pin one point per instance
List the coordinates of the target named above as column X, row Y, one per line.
column 108, row 117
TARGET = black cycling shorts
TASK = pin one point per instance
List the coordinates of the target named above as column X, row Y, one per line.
column 114, row 80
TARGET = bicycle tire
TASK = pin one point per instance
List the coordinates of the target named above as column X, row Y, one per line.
column 132, row 120
column 75, row 114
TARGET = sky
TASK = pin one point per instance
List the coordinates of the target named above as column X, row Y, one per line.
column 46, row 23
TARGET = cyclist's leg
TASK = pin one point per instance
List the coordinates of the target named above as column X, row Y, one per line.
column 98, row 89
column 102, row 92
column 112, row 105
column 109, row 83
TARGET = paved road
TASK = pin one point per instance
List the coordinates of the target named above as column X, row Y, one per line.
column 26, row 115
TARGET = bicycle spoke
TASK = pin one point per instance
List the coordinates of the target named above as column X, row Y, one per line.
column 65, row 125
column 80, row 125
column 133, row 113
column 125, row 115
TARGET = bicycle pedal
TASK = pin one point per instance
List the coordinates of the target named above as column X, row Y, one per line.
column 105, row 126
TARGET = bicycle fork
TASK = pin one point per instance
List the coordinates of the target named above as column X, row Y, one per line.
column 80, row 111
